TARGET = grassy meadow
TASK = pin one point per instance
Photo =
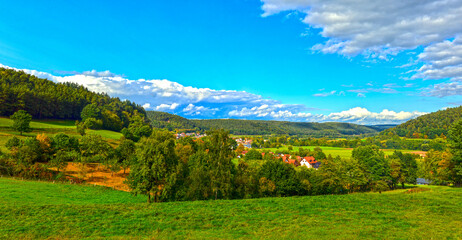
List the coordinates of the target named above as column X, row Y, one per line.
column 43, row 210
column 49, row 127
column 334, row 151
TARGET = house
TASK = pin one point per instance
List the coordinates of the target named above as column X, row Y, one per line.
column 290, row 161
column 423, row 181
column 309, row 162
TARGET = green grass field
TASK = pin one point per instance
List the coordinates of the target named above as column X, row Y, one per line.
column 49, row 127
column 42, row 210
column 334, row 151
column 6, row 122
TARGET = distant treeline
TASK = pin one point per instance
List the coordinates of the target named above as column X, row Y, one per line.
column 432, row 125
column 44, row 99
column 260, row 127
column 384, row 142
column 170, row 121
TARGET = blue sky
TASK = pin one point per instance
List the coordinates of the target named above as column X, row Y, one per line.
column 296, row 60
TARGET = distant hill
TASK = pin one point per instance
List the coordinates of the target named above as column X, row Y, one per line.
column 381, row 127
column 260, row 127
column 429, row 125
column 170, row 121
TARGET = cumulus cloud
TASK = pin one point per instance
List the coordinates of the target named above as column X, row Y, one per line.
column 375, row 28
column 354, row 115
column 443, row 89
column 441, row 61
column 164, row 107
column 362, row 115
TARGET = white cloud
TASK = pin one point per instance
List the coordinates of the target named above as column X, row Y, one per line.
column 193, row 110
column 361, row 95
column 325, row 94
column 362, row 115
column 443, row 89
column 441, row 61
column 146, row 106
column 163, row 107
column 377, row 90
column 376, row 29
column 355, row 115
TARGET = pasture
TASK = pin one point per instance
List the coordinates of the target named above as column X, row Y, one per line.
column 43, row 210
column 50, row 128
column 334, row 151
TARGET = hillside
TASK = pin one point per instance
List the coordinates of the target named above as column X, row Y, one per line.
column 170, row 121
column 45, row 99
column 431, row 125
column 50, row 128
column 42, row 210
column 260, row 127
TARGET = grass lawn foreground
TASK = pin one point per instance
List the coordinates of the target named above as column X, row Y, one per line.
column 44, row 210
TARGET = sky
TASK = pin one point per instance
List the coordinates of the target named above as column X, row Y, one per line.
column 359, row 61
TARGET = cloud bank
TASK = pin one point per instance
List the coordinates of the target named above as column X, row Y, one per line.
column 188, row 101
column 381, row 30
column 375, row 28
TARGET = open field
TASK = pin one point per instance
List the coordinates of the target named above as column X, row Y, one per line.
column 49, row 127
column 39, row 210
column 334, row 151
column 6, row 122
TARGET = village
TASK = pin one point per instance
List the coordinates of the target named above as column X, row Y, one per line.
column 308, row 161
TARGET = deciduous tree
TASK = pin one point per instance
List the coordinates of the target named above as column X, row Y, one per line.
column 21, row 120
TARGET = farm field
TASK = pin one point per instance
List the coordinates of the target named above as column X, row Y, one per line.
column 334, row 151
column 6, row 122
column 43, row 210
column 49, row 127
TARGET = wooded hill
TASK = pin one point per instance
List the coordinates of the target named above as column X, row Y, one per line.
column 45, row 99
column 170, row 121
column 260, row 127
column 431, row 125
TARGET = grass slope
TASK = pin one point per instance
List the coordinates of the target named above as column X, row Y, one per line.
column 335, row 151
column 50, row 128
column 38, row 210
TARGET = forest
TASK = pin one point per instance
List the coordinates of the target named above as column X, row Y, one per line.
column 44, row 99
column 432, row 125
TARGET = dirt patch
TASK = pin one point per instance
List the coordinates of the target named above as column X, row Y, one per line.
column 97, row 174
column 417, row 190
